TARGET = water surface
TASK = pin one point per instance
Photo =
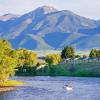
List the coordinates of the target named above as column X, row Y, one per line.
column 52, row 88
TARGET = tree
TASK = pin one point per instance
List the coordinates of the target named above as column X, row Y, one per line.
column 93, row 53
column 27, row 58
column 67, row 52
column 77, row 56
column 8, row 60
column 98, row 54
column 53, row 59
column 84, row 56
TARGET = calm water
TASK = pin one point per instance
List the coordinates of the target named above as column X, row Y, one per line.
column 52, row 88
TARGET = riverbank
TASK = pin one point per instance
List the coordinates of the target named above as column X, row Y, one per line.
column 10, row 85
column 78, row 70
column 5, row 88
column 75, row 70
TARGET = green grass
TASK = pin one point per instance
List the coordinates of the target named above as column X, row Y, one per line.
column 80, row 70
column 83, row 69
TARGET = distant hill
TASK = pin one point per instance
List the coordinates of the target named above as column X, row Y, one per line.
column 47, row 28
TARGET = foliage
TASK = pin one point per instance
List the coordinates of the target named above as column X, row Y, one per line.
column 77, row 56
column 84, row 56
column 8, row 60
column 26, row 61
column 93, row 53
column 53, row 59
column 98, row 54
column 26, row 71
column 82, row 69
column 68, row 52
column 26, row 58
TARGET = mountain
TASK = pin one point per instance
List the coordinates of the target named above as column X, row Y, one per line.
column 49, row 28
column 8, row 17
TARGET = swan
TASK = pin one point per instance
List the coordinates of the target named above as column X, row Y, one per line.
column 69, row 88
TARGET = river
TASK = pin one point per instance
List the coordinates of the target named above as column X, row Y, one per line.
column 52, row 88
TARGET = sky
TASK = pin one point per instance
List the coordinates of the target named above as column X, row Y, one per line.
column 86, row 8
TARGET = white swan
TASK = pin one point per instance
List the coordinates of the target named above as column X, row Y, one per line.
column 68, row 88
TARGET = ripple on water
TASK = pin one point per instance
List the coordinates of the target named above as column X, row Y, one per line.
column 52, row 88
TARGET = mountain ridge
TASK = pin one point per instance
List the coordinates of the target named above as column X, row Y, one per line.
column 49, row 28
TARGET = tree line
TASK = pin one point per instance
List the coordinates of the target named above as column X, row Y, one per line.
column 22, row 58
column 10, row 59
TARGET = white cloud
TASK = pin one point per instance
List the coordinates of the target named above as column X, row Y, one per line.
column 87, row 8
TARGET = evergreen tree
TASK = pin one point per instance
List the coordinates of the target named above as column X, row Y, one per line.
column 68, row 52
column 93, row 53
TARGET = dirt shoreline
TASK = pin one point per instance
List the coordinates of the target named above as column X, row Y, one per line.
column 7, row 88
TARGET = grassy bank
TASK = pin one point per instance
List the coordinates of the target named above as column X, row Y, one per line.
column 10, row 85
column 81, row 70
